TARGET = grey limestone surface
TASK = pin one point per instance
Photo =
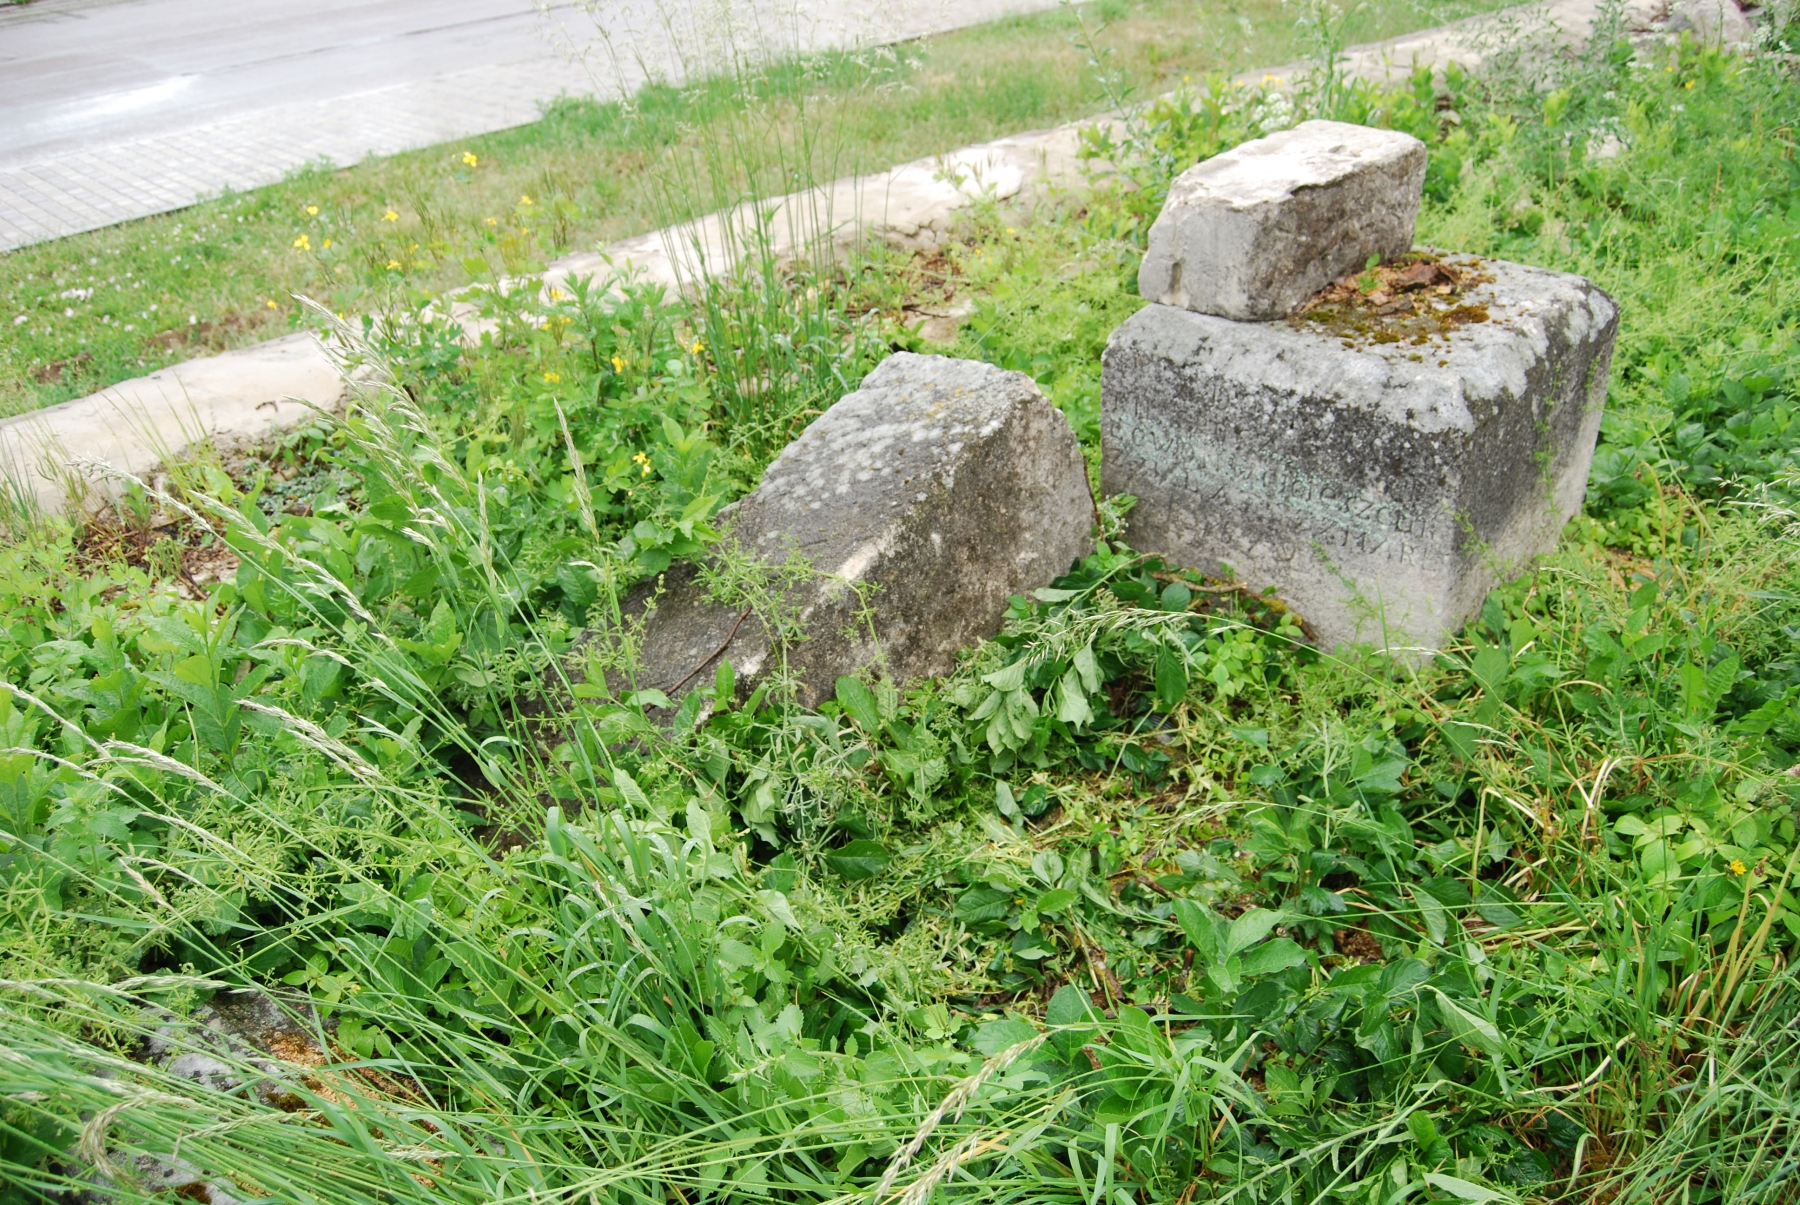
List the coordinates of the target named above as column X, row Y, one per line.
column 929, row 496
column 1713, row 22
column 1254, row 232
column 1381, row 489
column 226, row 1046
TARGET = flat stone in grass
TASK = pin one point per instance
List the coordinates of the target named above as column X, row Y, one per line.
column 1382, row 461
column 1254, row 232
column 931, row 495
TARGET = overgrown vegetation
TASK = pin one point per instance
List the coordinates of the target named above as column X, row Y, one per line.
column 1147, row 902
column 88, row 311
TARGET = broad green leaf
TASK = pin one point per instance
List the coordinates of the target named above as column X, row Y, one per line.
column 1491, row 666
column 1399, row 977
column 980, row 904
column 1088, row 666
column 1069, row 1006
column 1249, row 929
column 1498, row 915
column 699, row 822
column 995, row 1036
column 1435, row 916
column 1204, row 928
column 859, row 704
column 1055, row 900
column 1469, row 1028
column 859, row 859
column 198, row 670
column 1008, row 678
column 1171, row 679
column 1071, row 700
column 1277, row 955
column 632, row 794
column 736, row 954
column 1694, row 700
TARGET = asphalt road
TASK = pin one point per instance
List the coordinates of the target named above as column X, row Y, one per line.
column 116, row 109
column 75, row 74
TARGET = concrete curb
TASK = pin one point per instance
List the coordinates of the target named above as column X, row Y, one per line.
column 243, row 396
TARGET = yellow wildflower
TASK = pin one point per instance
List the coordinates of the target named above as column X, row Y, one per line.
column 390, row 216
column 552, row 377
column 469, row 158
column 644, row 461
column 557, row 294
column 393, row 264
column 493, row 221
column 698, row 347
column 1689, row 84
column 304, row 243
column 312, row 211
column 618, row 364
column 328, row 242
column 272, row 305
column 1010, row 230
column 1738, row 868
column 524, row 200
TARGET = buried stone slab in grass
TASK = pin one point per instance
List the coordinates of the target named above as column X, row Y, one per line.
column 1381, row 463
column 889, row 536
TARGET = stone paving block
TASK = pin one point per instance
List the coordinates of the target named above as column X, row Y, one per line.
column 1381, row 488
column 1254, row 232
column 940, row 489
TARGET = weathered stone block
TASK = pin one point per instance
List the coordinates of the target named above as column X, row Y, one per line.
column 938, row 490
column 1381, row 474
column 1254, row 232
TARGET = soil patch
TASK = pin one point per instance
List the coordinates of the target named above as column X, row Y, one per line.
column 213, row 336
column 52, row 373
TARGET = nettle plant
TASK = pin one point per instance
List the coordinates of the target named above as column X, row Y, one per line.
column 1040, row 691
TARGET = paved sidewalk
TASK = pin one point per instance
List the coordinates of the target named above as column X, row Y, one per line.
column 87, row 189
column 119, row 109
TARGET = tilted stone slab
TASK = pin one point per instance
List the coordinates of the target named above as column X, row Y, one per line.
column 1383, row 488
column 940, row 488
column 1254, row 232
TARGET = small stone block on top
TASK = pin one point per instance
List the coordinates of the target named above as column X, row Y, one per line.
column 1381, row 461
column 1254, row 232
